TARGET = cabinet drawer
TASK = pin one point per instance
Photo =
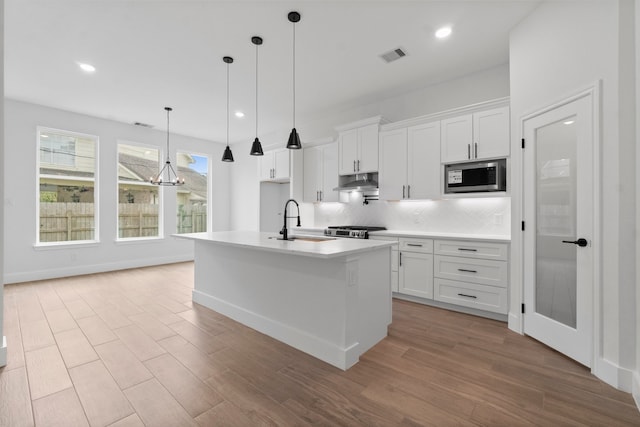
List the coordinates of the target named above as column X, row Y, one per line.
column 470, row 249
column 488, row 298
column 482, row 271
column 411, row 244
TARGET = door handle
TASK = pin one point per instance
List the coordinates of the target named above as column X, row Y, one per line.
column 580, row 242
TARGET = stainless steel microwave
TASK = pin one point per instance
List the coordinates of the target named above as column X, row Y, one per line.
column 476, row 177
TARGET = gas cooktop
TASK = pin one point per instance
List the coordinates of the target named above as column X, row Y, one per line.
column 352, row 231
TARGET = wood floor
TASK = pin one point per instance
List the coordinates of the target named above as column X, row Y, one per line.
column 128, row 348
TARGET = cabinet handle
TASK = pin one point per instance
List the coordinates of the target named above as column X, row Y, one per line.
column 468, row 151
column 403, row 191
column 321, row 195
column 468, row 296
column 467, row 249
column 317, row 196
column 414, row 244
column 467, row 271
column 358, row 165
column 476, row 144
column 354, row 165
column 408, row 191
column 400, row 263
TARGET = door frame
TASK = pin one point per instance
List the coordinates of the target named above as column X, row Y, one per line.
column 594, row 91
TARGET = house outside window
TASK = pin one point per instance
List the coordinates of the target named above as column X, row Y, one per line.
column 192, row 197
column 139, row 204
column 67, row 202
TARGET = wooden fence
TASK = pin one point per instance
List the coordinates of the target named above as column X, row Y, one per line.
column 62, row 222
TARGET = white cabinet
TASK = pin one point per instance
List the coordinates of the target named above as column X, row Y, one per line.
column 415, row 267
column 358, row 150
column 274, row 166
column 410, row 163
column 471, row 274
column 394, row 260
column 481, row 135
column 321, row 173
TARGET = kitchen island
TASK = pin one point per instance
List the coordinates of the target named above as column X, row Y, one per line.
column 330, row 298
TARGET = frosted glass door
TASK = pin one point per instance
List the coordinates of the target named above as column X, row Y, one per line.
column 558, row 213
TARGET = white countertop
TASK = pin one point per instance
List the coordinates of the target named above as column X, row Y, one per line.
column 268, row 242
column 436, row 235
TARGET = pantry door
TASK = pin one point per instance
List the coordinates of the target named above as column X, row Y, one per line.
column 559, row 212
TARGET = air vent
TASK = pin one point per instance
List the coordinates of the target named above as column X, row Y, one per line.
column 144, row 125
column 393, row 55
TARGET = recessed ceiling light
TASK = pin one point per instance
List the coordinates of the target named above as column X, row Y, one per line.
column 443, row 32
column 569, row 122
column 87, row 68
column 239, row 114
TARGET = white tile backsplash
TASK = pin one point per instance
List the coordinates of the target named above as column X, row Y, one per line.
column 490, row 215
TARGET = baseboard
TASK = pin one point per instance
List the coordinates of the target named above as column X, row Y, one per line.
column 54, row 273
column 316, row 347
column 3, row 352
column 635, row 388
column 614, row 375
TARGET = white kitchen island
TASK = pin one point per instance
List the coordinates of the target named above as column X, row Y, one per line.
column 328, row 298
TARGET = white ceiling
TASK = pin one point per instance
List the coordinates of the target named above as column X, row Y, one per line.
column 151, row 54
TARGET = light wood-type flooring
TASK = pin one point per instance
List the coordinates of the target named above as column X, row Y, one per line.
column 128, row 348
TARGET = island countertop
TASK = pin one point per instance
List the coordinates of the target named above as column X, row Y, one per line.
column 311, row 246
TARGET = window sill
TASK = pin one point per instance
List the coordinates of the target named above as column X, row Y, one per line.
column 134, row 240
column 65, row 245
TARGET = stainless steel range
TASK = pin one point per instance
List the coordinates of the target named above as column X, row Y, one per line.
column 351, row 231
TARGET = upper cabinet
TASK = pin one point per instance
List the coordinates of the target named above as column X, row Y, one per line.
column 321, row 173
column 358, row 146
column 410, row 163
column 275, row 166
column 480, row 135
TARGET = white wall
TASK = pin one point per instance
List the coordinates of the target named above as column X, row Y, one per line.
column 245, row 189
column 3, row 349
column 636, row 377
column 559, row 49
column 25, row 262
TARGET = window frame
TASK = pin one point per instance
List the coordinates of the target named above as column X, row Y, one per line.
column 96, row 189
column 160, row 235
column 209, row 172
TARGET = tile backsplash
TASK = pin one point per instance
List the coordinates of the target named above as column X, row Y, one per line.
column 488, row 216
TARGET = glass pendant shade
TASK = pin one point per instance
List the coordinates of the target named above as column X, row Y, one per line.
column 256, row 148
column 294, row 140
column 227, row 156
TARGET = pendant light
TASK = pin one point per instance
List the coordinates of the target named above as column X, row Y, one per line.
column 294, row 138
column 167, row 170
column 227, row 156
column 256, row 147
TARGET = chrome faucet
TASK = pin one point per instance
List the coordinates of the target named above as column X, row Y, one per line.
column 284, row 231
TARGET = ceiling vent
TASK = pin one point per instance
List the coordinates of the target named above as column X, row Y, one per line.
column 144, row 125
column 393, row 55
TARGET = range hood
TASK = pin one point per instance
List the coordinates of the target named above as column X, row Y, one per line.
column 358, row 182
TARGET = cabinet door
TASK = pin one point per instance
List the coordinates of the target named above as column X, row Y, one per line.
column 348, row 151
column 266, row 166
column 312, row 167
column 491, row 133
column 416, row 274
column 423, row 161
column 455, row 144
column 329, row 173
column 367, row 160
column 281, row 164
column 393, row 164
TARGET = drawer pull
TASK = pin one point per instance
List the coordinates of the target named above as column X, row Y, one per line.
column 414, row 244
column 468, row 296
column 467, row 249
column 467, row 271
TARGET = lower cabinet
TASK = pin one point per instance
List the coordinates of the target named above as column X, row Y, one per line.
column 415, row 267
column 481, row 297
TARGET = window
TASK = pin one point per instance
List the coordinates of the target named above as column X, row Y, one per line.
column 192, row 196
column 138, row 199
column 67, row 186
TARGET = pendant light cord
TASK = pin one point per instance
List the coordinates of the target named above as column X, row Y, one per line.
column 294, row 74
column 227, row 104
column 256, row 91
column 168, row 134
